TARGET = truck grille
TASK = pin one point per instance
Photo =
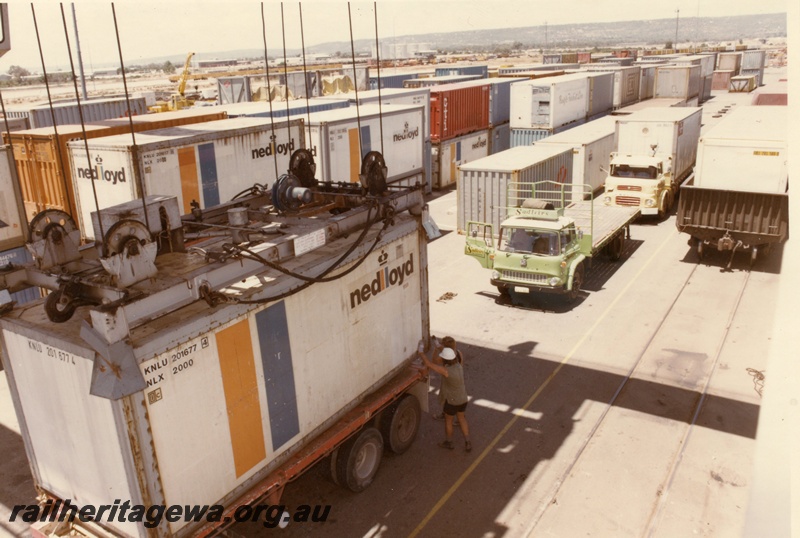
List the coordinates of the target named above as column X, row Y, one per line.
column 531, row 278
column 637, row 188
column 627, row 200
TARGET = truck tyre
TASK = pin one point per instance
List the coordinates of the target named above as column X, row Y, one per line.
column 663, row 206
column 356, row 462
column 504, row 291
column 577, row 282
column 615, row 247
column 400, row 424
column 700, row 250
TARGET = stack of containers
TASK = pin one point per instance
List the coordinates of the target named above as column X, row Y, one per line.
column 626, row 83
column 706, row 63
column 68, row 113
column 460, row 124
column 591, row 145
column 208, row 163
column 753, row 64
column 678, row 82
column 540, row 108
column 483, row 184
column 42, row 157
column 438, row 81
column 480, row 70
column 340, row 138
column 404, row 96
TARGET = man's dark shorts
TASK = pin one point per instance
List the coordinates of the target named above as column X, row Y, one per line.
column 453, row 409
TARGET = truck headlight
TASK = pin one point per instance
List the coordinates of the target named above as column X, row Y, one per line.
column 650, row 202
column 495, row 275
column 555, row 281
column 607, row 200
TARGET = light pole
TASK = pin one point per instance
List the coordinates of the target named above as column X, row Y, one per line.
column 677, row 18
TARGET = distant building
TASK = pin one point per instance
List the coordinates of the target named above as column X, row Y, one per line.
column 403, row 51
column 208, row 64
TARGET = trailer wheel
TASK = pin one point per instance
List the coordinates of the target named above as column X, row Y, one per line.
column 699, row 249
column 358, row 459
column 400, row 423
column 577, row 282
column 615, row 248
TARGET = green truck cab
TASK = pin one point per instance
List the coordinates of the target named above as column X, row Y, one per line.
column 543, row 245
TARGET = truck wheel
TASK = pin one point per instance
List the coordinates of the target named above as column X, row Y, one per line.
column 400, row 423
column 577, row 282
column 504, row 291
column 358, row 459
column 663, row 206
column 615, row 248
column 753, row 255
column 700, row 250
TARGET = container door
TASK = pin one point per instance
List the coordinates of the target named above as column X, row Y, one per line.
column 480, row 243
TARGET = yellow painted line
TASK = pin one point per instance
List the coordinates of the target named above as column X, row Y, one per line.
column 535, row 395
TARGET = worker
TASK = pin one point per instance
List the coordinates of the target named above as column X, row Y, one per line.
column 453, row 393
column 438, row 346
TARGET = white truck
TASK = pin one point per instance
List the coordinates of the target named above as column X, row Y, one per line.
column 656, row 153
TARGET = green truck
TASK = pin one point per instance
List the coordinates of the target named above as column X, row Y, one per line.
column 546, row 243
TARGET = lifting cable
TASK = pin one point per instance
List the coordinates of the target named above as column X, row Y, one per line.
column 135, row 159
column 378, row 58
column 273, row 138
column 80, row 115
column 305, row 73
column 285, row 77
column 68, row 207
column 22, row 217
column 353, row 56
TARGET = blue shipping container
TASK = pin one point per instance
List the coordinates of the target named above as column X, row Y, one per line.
column 482, row 70
column 526, row 137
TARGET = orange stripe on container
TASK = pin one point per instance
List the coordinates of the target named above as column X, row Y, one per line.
column 355, row 158
column 237, row 364
column 190, row 187
column 453, row 155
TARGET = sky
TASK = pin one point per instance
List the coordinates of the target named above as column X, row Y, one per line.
column 176, row 27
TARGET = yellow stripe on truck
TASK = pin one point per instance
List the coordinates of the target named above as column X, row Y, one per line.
column 240, row 385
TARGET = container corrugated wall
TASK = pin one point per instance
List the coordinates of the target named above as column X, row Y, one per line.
column 753, row 59
column 95, row 110
column 481, row 70
column 758, row 73
column 448, row 155
column 13, row 232
column 483, row 193
column 233, row 90
column 499, row 138
column 458, row 110
column 729, row 61
column 602, row 89
column 647, row 83
column 677, row 82
column 721, row 80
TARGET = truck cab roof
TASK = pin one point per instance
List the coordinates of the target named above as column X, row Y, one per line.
column 522, row 221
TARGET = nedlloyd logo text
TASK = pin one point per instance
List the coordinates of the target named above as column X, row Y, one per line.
column 570, row 96
column 385, row 278
column 407, row 134
column 100, row 173
column 273, row 149
column 480, row 143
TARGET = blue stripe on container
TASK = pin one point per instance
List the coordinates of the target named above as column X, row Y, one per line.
column 366, row 140
column 458, row 151
column 208, row 174
column 276, row 359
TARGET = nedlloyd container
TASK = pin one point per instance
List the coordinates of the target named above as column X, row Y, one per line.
column 745, row 151
column 42, row 156
column 591, row 145
column 340, row 138
column 93, row 110
column 682, row 82
column 396, row 96
column 448, row 155
column 228, row 393
column 14, row 232
column 206, row 163
column 458, row 110
column 626, row 83
column 483, row 184
column 549, row 103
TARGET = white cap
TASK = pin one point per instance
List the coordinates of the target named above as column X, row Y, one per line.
column 448, row 354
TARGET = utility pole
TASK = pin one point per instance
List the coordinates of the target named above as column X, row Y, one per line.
column 545, row 35
column 677, row 18
column 78, row 49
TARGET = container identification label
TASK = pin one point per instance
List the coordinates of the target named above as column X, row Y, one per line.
column 309, row 242
column 767, row 153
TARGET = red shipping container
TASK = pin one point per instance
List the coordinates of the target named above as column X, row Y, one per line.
column 584, row 57
column 458, row 110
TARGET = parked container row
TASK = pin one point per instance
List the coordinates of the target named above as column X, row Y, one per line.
column 449, row 154
column 68, row 113
column 626, row 83
column 681, row 82
column 295, row 84
column 281, row 109
column 480, row 70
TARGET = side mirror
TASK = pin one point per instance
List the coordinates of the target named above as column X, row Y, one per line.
column 474, row 233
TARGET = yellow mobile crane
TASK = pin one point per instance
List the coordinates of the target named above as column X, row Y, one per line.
column 177, row 100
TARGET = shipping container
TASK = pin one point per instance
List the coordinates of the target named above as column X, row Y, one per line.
column 569, row 57
column 527, row 137
column 746, row 151
column 549, row 103
column 721, row 80
column 499, row 138
column 601, row 94
column 649, row 103
column 620, row 62
column 340, row 138
column 483, row 184
column 754, row 59
column 584, row 57
column 280, row 109
column 438, row 81
column 554, row 58
column 93, row 110
column 480, row 70
column 458, row 110
column 43, row 162
column 15, row 257
column 14, row 229
column 626, row 83
column 743, row 84
column 448, row 155
column 391, row 78
column 757, row 73
column 398, row 96
column 499, row 96
column 776, row 93
column 343, row 79
column 591, row 145
column 207, row 163
column 680, row 82
column 647, row 82
column 199, row 405
column 707, row 63
column 729, row 61
column 537, row 68
column 705, row 88
column 14, row 124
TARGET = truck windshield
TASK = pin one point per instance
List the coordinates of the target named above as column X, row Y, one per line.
column 641, row 172
column 541, row 242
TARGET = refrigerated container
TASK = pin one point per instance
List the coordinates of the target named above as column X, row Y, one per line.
column 483, row 184
column 207, row 163
column 448, row 155
column 458, row 110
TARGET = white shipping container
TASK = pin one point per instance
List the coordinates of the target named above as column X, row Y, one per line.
column 231, row 392
column 707, row 62
column 450, row 154
column 13, row 233
column 682, row 82
column 647, row 84
column 746, row 151
column 601, row 94
column 550, row 102
column 754, row 59
column 399, row 96
column 626, row 83
column 483, row 184
column 206, row 162
column 335, row 137
column 591, row 145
